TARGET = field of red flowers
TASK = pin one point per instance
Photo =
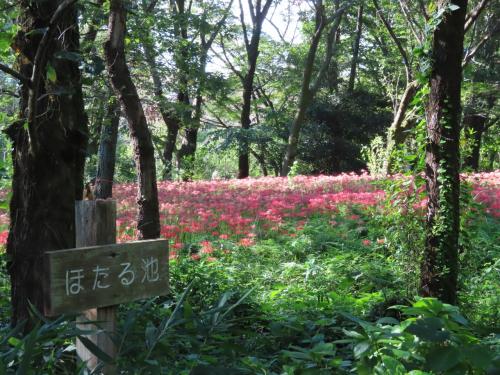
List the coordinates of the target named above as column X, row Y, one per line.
column 241, row 209
column 269, row 274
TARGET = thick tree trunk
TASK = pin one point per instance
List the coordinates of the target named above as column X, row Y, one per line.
column 476, row 122
column 440, row 259
column 107, row 151
column 396, row 132
column 355, row 50
column 148, row 221
column 47, row 182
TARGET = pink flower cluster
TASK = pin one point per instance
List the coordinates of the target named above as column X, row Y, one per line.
column 236, row 208
column 486, row 190
column 239, row 209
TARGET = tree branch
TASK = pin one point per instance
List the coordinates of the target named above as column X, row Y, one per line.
column 151, row 6
column 253, row 15
column 244, row 27
column 402, row 51
column 412, row 23
column 207, row 44
column 227, row 61
column 266, row 7
column 330, row 48
column 474, row 14
column 423, row 10
column 23, row 79
column 470, row 55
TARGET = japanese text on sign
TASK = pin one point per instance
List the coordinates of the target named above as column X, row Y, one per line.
column 102, row 278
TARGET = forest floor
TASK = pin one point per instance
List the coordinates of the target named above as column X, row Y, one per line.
column 297, row 276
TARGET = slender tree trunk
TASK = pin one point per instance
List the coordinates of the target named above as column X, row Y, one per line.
column 310, row 87
column 258, row 14
column 253, row 53
column 440, row 259
column 396, row 132
column 293, row 137
column 187, row 150
column 262, row 162
column 168, row 115
column 476, row 122
column 148, row 221
column 46, row 181
column 169, row 147
column 333, row 73
column 107, row 151
column 188, row 147
column 355, row 50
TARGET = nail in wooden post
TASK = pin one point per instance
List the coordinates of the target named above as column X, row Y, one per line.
column 95, row 224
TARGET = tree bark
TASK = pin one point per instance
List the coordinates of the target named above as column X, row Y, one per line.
column 47, row 182
column 439, row 268
column 107, row 151
column 148, row 220
column 355, row 50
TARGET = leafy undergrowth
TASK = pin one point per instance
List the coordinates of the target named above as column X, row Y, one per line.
column 297, row 276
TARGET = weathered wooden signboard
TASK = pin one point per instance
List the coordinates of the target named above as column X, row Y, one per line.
column 98, row 276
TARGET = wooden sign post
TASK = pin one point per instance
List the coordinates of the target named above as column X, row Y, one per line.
column 94, row 279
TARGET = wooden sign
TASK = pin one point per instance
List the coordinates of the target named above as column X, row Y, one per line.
column 98, row 276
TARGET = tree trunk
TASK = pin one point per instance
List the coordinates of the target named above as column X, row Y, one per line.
column 169, row 147
column 293, row 137
column 440, row 259
column 259, row 12
column 168, row 115
column 46, row 182
column 107, row 151
column 475, row 122
column 148, row 220
column 355, row 50
column 187, row 151
column 253, row 53
column 395, row 134
column 309, row 88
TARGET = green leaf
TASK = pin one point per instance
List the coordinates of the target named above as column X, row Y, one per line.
column 443, row 358
column 478, row 356
column 15, row 342
column 393, row 366
column 94, row 349
column 5, row 42
column 430, row 329
column 361, row 348
column 51, row 74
